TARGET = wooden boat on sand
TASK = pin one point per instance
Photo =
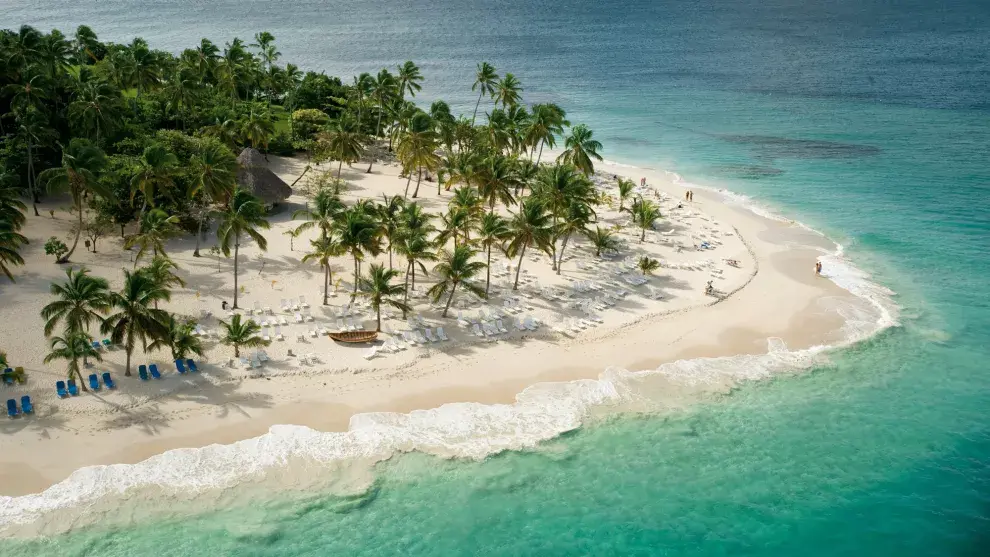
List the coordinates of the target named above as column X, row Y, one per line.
column 354, row 336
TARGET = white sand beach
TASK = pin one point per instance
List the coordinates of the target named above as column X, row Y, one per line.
column 773, row 293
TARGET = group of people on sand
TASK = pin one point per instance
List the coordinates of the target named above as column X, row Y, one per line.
column 689, row 195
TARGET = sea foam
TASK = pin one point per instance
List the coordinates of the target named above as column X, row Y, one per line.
column 466, row 430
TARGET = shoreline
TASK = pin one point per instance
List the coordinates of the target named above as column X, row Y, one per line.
column 740, row 326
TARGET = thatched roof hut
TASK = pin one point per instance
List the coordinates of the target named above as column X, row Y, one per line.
column 255, row 177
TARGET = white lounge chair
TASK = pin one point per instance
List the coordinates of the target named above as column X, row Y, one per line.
column 266, row 335
column 501, row 327
column 371, row 353
column 282, row 321
column 262, row 355
column 302, row 302
column 409, row 338
column 284, row 305
column 299, row 317
column 312, row 332
column 340, row 325
column 476, row 329
column 278, row 333
column 442, row 334
column 529, row 323
column 429, row 336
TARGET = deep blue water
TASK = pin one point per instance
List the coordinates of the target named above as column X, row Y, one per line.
column 868, row 120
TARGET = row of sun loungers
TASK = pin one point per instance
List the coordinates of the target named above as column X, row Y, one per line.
column 26, row 407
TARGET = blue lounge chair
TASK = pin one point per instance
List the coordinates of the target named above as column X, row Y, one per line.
column 96, row 345
column 191, row 365
column 108, row 381
column 180, row 367
column 107, row 344
column 12, row 408
column 73, row 389
column 60, row 389
column 94, row 382
column 8, row 376
column 154, row 371
column 26, row 405
column 143, row 372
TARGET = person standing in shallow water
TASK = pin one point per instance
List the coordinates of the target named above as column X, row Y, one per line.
column 818, row 268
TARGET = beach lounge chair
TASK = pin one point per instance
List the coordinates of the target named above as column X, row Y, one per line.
column 371, row 353
column 411, row 340
column 73, row 389
column 94, row 382
column 153, row 368
column 96, row 345
column 529, row 323
column 302, row 302
column 143, row 372
column 8, row 376
column 257, row 308
column 299, row 317
column 191, row 364
column 26, row 405
column 282, row 321
column 476, row 329
column 283, row 305
column 419, row 337
column 60, row 389
column 430, row 337
column 107, row 344
column 180, row 366
column 108, row 381
column 441, row 334
column 12, row 410
column 501, row 327
column 266, row 335
column 278, row 333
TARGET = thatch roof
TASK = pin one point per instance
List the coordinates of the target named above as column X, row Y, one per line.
column 255, row 177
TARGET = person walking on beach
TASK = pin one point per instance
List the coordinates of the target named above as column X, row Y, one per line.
column 687, row 195
column 818, row 268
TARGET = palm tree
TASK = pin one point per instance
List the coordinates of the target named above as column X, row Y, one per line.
column 625, row 190
column 457, row 224
column 81, row 163
column 325, row 248
column 409, row 78
column 417, row 148
column 530, row 226
column 96, row 107
column 344, row 141
column 603, row 240
column 492, row 231
column 557, row 188
column 136, row 318
column 33, row 92
column 156, row 227
column 33, row 130
column 226, row 131
column 508, row 92
column 215, row 171
column 80, row 301
column 327, row 206
column 580, row 148
column 161, row 270
column 358, row 235
column 156, row 171
column 456, row 269
column 382, row 88
column 574, row 220
column 179, row 339
column 10, row 243
column 644, row 212
column 547, row 122
column 73, row 346
column 415, row 248
column 379, row 290
column 485, row 81
column 496, row 179
column 243, row 215
column 389, row 215
column 647, row 265
column 242, row 333
column 11, row 206
column 257, row 130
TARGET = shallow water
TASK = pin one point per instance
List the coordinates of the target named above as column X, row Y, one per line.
column 868, row 121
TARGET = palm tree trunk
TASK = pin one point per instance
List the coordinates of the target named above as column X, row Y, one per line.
column 378, row 126
column 79, row 375
column 378, row 328
column 642, row 236
column 354, row 295
column 449, row 300
column 65, row 258
column 476, row 105
column 408, row 181
column 326, row 282
column 488, row 270
column 339, row 168
column 199, row 236
column 541, row 153
column 237, row 246
column 128, row 348
column 560, row 260
column 419, row 178
column 519, row 267
column 405, row 290
column 31, row 184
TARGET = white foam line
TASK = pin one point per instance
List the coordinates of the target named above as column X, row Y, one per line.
column 541, row 412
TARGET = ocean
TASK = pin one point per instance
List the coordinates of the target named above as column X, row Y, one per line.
column 868, row 121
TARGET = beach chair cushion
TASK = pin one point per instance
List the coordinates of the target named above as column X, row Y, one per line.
column 12, row 408
column 153, row 368
column 60, row 389
column 26, row 405
column 94, row 382
column 73, row 389
column 143, row 372
column 107, row 380
column 191, row 365
column 180, row 366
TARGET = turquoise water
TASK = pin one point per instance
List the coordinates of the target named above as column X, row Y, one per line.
column 868, row 121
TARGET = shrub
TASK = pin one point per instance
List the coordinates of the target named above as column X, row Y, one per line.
column 56, row 247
